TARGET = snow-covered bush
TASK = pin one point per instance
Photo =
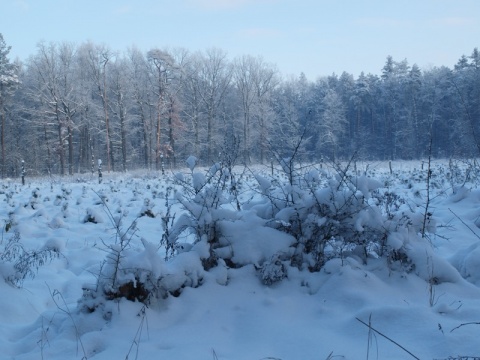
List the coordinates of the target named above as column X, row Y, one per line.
column 461, row 173
column 147, row 209
column 319, row 212
column 18, row 263
column 94, row 216
column 273, row 270
column 137, row 274
column 300, row 217
column 204, row 196
column 336, row 215
column 141, row 275
column 114, row 276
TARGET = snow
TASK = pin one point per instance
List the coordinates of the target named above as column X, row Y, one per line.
column 191, row 162
column 249, row 246
column 227, row 312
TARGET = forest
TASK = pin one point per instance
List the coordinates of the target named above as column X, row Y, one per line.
column 70, row 105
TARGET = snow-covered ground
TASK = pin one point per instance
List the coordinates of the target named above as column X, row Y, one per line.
column 430, row 311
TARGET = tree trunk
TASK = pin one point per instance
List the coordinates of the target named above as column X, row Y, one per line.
column 144, row 123
column 263, row 136
column 107, row 123
column 209, row 138
column 70, row 148
column 123, row 136
column 2, row 114
column 171, row 139
column 49, row 156
column 61, row 149
column 197, row 135
column 173, row 118
column 157, row 140
column 246, row 124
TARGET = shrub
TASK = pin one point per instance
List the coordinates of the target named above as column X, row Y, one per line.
column 17, row 262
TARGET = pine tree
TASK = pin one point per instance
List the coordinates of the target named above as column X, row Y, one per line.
column 333, row 124
column 8, row 82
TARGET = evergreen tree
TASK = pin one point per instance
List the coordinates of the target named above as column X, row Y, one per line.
column 333, row 124
column 8, row 82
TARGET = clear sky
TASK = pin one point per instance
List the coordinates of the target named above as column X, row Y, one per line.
column 317, row 37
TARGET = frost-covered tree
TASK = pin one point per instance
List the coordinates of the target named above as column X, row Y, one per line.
column 89, row 101
column 54, row 92
column 243, row 72
column 162, row 67
column 265, row 81
column 121, row 98
column 215, row 78
column 138, row 76
column 175, row 124
column 8, row 82
column 288, row 130
column 333, row 123
column 414, row 87
column 254, row 81
column 97, row 59
column 361, row 100
column 465, row 80
column 192, row 110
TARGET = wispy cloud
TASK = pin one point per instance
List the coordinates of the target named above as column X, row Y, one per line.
column 225, row 4
column 389, row 22
column 453, row 21
column 259, row 33
column 306, row 30
column 124, row 9
column 381, row 22
column 22, row 4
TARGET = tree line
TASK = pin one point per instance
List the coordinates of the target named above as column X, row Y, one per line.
column 69, row 105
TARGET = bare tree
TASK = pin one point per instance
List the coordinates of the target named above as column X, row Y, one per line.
column 215, row 77
column 69, row 103
column 254, row 80
column 243, row 72
column 286, row 130
column 192, row 109
column 139, row 80
column 97, row 58
column 175, row 125
column 54, row 90
column 120, row 101
column 265, row 81
column 162, row 65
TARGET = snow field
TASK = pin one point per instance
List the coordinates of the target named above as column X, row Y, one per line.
column 229, row 313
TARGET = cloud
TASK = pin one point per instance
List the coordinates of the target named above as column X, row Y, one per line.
column 226, row 4
column 124, row 9
column 259, row 33
column 381, row 22
column 453, row 21
column 22, row 4
column 389, row 22
column 306, row 30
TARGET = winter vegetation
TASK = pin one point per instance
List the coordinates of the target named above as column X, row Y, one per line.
column 333, row 260
column 188, row 206
column 136, row 110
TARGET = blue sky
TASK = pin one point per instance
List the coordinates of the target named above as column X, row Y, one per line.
column 317, row 37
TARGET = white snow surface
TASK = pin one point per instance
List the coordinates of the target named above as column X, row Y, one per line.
column 227, row 313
